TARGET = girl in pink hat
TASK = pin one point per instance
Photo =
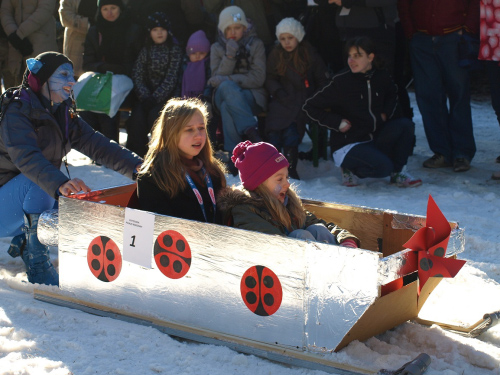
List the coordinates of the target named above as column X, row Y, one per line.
column 267, row 203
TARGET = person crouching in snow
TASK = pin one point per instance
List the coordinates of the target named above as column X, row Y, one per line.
column 238, row 64
column 368, row 137
column 38, row 127
column 294, row 72
column 268, row 204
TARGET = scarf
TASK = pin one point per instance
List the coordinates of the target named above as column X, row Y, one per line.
column 193, row 168
column 193, row 80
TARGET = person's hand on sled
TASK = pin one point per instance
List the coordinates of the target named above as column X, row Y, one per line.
column 74, row 186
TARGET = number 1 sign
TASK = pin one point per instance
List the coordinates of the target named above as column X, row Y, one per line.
column 138, row 237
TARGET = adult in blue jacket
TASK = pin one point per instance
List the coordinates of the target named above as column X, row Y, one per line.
column 38, row 128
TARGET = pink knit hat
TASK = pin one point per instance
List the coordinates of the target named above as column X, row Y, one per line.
column 257, row 162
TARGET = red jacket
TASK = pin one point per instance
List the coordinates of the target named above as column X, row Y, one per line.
column 438, row 17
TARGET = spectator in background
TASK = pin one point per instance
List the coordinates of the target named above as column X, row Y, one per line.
column 111, row 45
column 254, row 10
column 5, row 74
column 435, row 29
column 31, row 29
column 76, row 16
column 238, row 64
column 156, row 79
column 294, row 72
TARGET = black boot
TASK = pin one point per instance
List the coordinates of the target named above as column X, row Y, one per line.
column 292, row 155
column 17, row 245
column 36, row 256
column 253, row 134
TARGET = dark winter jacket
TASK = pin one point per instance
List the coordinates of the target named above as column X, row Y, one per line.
column 183, row 205
column 362, row 15
column 156, row 72
column 246, row 210
column 360, row 98
column 33, row 142
column 438, row 17
column 121, row 61
column 290, row 91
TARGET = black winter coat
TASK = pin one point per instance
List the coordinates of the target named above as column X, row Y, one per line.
column 184, row 205
column 286, row 105
column 360, row 98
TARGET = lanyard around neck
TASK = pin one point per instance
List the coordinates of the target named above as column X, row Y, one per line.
column 196, row 192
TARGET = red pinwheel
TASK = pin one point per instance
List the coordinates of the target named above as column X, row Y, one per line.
column 430, row 243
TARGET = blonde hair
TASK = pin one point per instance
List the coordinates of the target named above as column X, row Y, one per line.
column 163, row 159
column 281, row 213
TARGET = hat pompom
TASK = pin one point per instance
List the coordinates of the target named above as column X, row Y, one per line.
column 239, row 150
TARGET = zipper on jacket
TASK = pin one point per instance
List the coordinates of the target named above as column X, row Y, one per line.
column 370, row 105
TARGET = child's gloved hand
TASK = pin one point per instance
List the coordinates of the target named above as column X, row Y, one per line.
column 232, row 48
column 215, row 81
column 24, row 46
column 349, row 243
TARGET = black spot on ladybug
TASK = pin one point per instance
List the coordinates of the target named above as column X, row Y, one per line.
column 180, row 245
column 438, row 275
column 269, row 299
column 439, row 252
column 251, row 297
column 110, row 255
column 96, row 264
column 167, row 241
column 111, row 270
column 164, row 261
column 250, row 282
column 268, row 281
column 96, row 250
column 426, row 264
column 177, row 266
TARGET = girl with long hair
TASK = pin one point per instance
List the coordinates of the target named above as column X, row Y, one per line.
column 179, row 176
column 267, row 203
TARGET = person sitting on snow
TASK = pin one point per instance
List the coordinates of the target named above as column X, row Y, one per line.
column 38, row 127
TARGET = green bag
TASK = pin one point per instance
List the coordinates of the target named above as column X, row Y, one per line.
column 95, row 95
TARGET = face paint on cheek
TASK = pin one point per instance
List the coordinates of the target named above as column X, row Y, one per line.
column 277, row 190
column 60, row 83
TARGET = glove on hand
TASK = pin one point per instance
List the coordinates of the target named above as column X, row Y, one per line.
column 232, row 48
column 215, row 81
column 24, row 46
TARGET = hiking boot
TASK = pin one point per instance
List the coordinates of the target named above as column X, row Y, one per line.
column 461, row 165
column 404, row 179
column 348, row 178
column 436, row 161
column 17, row 245
column 253, row 134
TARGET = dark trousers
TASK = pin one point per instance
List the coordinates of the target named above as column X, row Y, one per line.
column 288, row 137
column 386, row 154
column 104, row 124
column 139, row 125
column 493, row 70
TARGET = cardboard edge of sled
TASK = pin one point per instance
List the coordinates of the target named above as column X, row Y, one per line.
column 283, row 354
column 390, row 311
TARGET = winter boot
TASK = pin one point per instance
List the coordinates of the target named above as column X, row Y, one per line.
column 17, row 245
column 292, row 155
column 36, row 256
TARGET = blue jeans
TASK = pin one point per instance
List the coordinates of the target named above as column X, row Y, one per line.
column 315, row 232
column 386, row 154
column 493, row 70
column 20, row 196
column 439, row 78
column 288, row 137
column 237, row 108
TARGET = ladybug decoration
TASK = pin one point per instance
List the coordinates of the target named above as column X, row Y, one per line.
column 104, row 259
column 261, row 290
column 172, row 254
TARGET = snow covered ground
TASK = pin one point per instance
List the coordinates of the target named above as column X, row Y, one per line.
column 40, row 338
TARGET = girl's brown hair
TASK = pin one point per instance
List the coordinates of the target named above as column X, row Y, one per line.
column 163, row 159
column 281, row 213
column 298, row 59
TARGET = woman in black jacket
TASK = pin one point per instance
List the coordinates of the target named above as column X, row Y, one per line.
column 368, row 138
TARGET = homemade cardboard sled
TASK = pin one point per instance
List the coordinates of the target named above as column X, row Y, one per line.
column 280, row 298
